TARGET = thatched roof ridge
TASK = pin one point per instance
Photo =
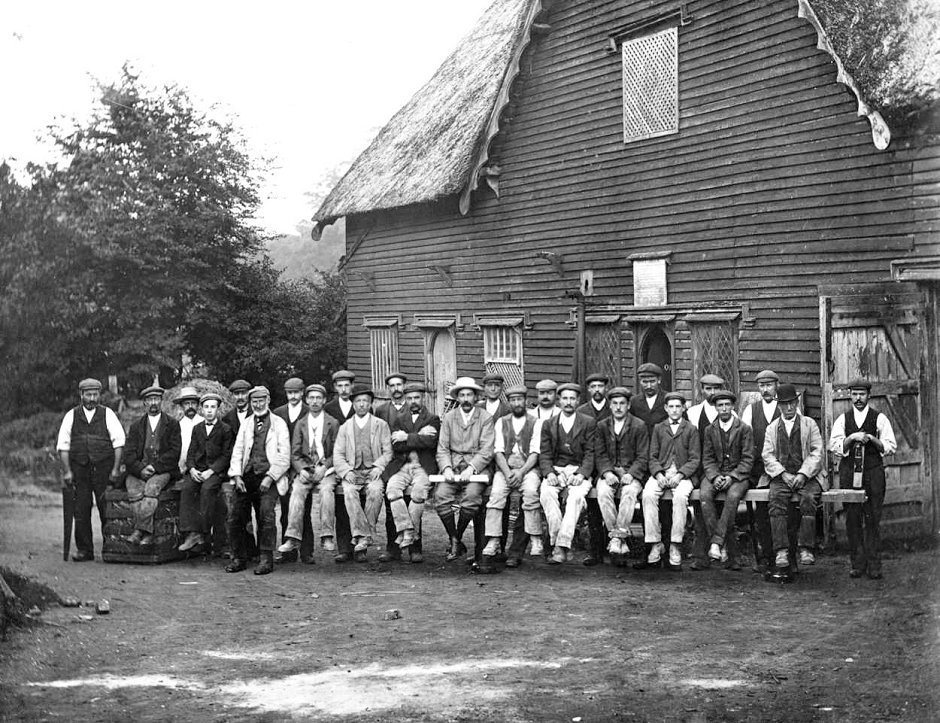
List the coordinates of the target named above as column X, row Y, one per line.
column 431, row 147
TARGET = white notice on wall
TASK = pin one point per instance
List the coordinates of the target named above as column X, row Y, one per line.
column 649, row 282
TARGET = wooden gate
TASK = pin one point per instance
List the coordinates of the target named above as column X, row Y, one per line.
column 877, row 332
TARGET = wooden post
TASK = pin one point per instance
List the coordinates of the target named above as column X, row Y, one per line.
column 579, row 342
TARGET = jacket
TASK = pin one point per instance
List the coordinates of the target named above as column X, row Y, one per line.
column 169, row 446
column 641, row 410
column 386, row 412
column 344, row 451
column 629, row 450
column 740, row 449
column 425, row 445
column 213, row 451
column 471, row 444
column 598, row 414
column 686, row 446
column 332, row 408
column 276, row 449
column 812, row 444
column 283, row 412
column 580, row 441
column 501, row 411
column 301, row 443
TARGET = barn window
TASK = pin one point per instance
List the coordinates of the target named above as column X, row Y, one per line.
column 715, row 349
column 383, row 344
column 651, row 85
column 502, row 350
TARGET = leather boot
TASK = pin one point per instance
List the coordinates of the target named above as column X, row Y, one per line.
column 266, row 565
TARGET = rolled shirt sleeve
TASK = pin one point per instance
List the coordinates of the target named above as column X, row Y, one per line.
column 886, row 435
column 115, row 430
column 64, row 442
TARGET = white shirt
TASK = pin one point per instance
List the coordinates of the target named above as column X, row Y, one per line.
column 768, row 407
column 695, row 413
column 885, row 432
column 466, row 416
column 153, row 420
column 618, row 426
column 567, row 422
column 598, row 406
column 186, row 434
column 726, row 426
column 344, row 406
column 517, row 424
column 115, row 430
column 315, row 432
column 542, row 413
column 362, row 421
column 651, row 401
column 788, row 424
column 294, row 410
column 492, row 406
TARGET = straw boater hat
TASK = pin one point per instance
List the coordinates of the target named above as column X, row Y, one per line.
column 464, row 383
column 187, row 393
column 154, row 391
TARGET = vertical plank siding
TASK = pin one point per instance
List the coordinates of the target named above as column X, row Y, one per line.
column 771, row 187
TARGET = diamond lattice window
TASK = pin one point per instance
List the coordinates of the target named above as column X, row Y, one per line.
column 715, row 351
column 651, row 85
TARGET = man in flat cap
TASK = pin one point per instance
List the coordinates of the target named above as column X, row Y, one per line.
column 675, row 456
column 493, row 401
column 566, row 463
column 414, row 446
column 188, row 401
column 622, row 460
column 152, row 459
column 516, row 452
column 758, row 415
column 727, row 458
column 596, row 406
column 90, row 445
column 545, row 408
column 291, row 412
column 340, row 407
column 362, row 452
column 860, row 440
column 312, row 462
column 207, row 462
column 704, row 413
column 793, row 462
column 241, row 409
column 464, row 449
column 649, row 407
column 260, row 457
column 395, row 384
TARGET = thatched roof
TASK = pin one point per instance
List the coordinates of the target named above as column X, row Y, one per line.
column 436, row 146
column 431, row 147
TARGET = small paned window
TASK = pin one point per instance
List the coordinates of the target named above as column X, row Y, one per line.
column 715, row 351
column 502, row 352
column 651, row 85
column 383, row 342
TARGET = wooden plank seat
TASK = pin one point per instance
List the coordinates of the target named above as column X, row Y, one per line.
column 119, row 523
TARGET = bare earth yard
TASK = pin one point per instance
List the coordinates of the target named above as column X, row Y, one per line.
column 187, row 642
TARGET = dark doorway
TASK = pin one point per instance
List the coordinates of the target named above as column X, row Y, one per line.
column 657, row 348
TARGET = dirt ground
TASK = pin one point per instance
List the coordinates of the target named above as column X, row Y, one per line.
column 187, row 642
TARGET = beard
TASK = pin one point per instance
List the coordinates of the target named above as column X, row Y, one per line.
column 466, row 406
column 415, row 408
column 190, row 413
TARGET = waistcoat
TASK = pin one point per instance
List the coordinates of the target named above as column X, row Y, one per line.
column 91, row 442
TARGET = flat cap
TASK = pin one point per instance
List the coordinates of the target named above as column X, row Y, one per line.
column 597, row 377
column 315, row 388
column 209, row 396
column 618, row 392
column 859, row 383
column 712, row 380
column 464, row 383
column 239, row 385
column 768, row 375
column 724, row 394
column 343, row 375
column 294, row 384
column 359, row 389
column 415, row 387
column 674, row 395
column 649, row 369
column 569, row 386
column 153, row 391
column 516, row 389
column 393, row 375
column 259, row 391
column 187, row 393
column 786, row 393
column 87, row 385
column 494, row 377
column 546, row 385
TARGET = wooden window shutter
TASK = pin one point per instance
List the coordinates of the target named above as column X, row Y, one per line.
column 651, row 85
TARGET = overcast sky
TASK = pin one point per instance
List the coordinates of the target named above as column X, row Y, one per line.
column 309, row 83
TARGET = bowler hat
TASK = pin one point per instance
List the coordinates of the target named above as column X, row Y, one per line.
column 569, row 386
column 259, row 391
column 618, row 392
column 239, row 385
column 516, row 389
column 768, row 375
column 597, row 377
column 724, row 394
column 464, row 383
column 315, row 388
column 674, row 395
column 786, row 393
column 546, row 385
column 186, row 394
column 415, row 387
column 649, row 369
column 154, row 391
column 393, row 375
column 859, row 383
column 712, row 380
column 294, row 384
column 343, row 375
column 87, row 385
column 360, row 389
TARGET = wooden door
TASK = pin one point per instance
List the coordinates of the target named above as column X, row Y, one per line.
column 602, row 348
column 877, row 332
column 441, row 367
column 655, row 347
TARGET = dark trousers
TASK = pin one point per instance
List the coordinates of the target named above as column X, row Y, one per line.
column 779, row 502
column 597, row 536
column 89, row 479
column 764, row 548
column 865, row 544
column 197, row 504
column 306, row 541
column 720, row 529
column 239, row 513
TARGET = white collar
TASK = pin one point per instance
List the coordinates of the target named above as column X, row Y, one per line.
column 860, row 415
column 361, row 422
column 726, row 425
column 597, row 406
column 651, row 401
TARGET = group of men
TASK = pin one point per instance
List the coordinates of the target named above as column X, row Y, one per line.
column 521, row 475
